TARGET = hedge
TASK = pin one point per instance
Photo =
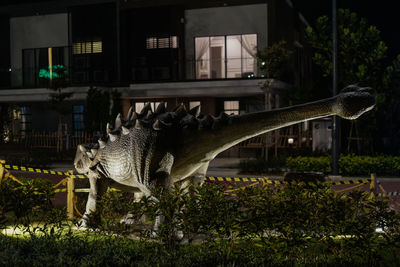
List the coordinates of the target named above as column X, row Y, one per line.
column 351, row 165
column 259, row 226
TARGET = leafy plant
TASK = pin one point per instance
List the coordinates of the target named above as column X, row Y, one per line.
column 348, row 165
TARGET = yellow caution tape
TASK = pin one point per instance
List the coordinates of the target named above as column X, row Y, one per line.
column 37, row 170
column 278, row 182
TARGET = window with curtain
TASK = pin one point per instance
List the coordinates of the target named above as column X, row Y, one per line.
column 231, row 107
column 231, row 56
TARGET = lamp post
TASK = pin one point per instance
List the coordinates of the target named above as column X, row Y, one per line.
column 335, row 119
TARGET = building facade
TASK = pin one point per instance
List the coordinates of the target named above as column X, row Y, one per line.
column 195, row 52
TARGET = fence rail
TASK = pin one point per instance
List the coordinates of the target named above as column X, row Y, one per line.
column 52, row 140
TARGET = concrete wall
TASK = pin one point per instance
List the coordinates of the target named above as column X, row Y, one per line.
column 230, row 20
column 35, row 32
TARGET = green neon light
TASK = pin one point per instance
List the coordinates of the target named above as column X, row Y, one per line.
column 56, row 71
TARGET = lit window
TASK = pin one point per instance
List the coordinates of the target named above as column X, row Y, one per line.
column 151, row 43
column 90, row 47
column 240, row 52
column 193, row 104
column 231, row 107
column 97, row 47
column 174, row 41
column 162, row 42
column 77, row 48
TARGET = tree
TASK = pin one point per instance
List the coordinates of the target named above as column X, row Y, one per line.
column 361, row 60
column 273, row 64
column 57, row 79
column 101, row 107
column 274, row 59
column 361, row 51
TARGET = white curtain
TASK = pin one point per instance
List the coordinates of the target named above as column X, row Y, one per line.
column 202, row 45
column 249, row 43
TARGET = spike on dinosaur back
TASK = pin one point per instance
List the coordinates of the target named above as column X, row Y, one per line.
column 118, row 122
column 133, row 116
column 125, row 130
column 149, row 115
column 139, row 124
column 108, row 128
column 180, row 111
column 102, row 144
column 157, row 125
column 112, row 137
column 130, row 112
column 160, row 108
column 145, row 109
column 195, row 111
column 82, row 148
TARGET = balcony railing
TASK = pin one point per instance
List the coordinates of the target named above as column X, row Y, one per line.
column 29, row 78
column 191, row 70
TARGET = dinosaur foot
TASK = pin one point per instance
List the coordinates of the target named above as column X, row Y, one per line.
column 128, row 219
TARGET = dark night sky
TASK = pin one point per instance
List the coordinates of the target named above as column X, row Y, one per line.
column 384, row 14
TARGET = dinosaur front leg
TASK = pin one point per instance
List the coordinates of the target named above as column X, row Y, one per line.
column 98, row 186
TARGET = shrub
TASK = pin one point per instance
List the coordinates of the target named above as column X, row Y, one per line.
column 316, row 164
column 348, row 165
column 260, row 226
column 33, row 196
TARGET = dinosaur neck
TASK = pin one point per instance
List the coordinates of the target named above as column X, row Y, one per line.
column 242, row 127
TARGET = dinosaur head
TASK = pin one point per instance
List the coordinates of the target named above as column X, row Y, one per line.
column 353, row 101
column 84, row 157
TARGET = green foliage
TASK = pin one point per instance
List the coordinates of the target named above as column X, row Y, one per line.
column 316, row 164
column 348, row 165
column 101, row 107
column 260, row 226
column 33, row 196
column 273, row 59
column 360, row 49
column 361, row 60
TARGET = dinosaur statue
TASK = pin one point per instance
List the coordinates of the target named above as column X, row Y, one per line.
column 167, row 147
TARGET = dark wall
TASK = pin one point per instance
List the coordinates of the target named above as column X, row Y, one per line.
column 139, row 63
column 4, row 51
column 284, row 24
column 93, row 23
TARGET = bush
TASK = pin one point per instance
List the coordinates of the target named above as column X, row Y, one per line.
column 260, row 226
column 348, row 165
column 33, row 196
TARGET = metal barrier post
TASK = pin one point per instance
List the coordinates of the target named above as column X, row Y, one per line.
column 70, row 197
column 1, row 170
column 373, row 186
